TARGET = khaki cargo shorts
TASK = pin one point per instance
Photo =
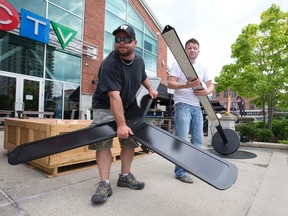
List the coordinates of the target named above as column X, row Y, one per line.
column 105, row 115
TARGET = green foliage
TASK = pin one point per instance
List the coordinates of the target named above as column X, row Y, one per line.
column 280, row 129
column 256, row 131
column 248, row 130
column 264, row 135
column 260, row 70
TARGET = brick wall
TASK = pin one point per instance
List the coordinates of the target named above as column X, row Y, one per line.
column 94, row 34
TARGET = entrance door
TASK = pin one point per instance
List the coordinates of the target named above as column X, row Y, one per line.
column 7, row 93
column 20, row 93
column 31, row 89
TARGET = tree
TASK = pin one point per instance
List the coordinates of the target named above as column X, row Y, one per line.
column 261, row 62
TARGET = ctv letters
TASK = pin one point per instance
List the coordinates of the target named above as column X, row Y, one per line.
column 32, row 25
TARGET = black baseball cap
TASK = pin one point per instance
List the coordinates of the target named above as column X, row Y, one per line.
column 125, row 28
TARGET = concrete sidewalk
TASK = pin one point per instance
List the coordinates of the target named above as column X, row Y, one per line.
column 261, row 189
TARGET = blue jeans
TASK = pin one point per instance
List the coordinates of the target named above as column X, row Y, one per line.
column 188, row 120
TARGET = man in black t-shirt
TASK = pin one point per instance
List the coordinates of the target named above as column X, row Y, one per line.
column 120, row 75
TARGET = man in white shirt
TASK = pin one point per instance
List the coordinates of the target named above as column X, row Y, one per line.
column 188, row 117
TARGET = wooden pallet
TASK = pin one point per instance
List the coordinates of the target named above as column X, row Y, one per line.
column 63, row 170
column 71, row 168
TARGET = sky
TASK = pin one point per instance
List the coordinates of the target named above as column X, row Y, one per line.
column 216, row 24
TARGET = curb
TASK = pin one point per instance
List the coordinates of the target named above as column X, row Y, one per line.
column 265, row 145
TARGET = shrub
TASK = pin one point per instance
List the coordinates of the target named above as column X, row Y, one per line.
column 264, row 135
column 249, row 131
column 280, row 129
column 256, row 131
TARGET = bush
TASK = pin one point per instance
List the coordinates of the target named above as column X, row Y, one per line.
column 255, row 131
column 264, row 135
column 249, row 131
column 280, row 129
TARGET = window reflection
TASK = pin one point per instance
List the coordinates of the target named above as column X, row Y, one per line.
column 37, row 7
column 150, row 44
column 117, row 7
column 109, row 42
column 61, row 66
column 112, row 22
column 7, row 92
column 56, row 93
column 150, row 61
column 71, row 101
column 31, row 95
column 134, row 18
column 53, row 98
column 74, row 6
column 20, row 55
column 57, row 15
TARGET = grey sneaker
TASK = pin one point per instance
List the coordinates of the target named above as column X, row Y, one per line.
column 103, row 191
column 185, row 178
column 130, row 181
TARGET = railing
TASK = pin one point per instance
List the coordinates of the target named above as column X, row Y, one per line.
column 5, row 114
column 36, row 114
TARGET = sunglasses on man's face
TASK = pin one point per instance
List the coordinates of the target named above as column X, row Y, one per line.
column 126, row 40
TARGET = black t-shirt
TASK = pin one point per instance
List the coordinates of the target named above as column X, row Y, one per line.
column 115, row 76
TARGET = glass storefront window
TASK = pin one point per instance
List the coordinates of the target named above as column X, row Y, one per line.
column 20, row 55
column 150, row 61
column 139, row 51
column 112, row 22
column 139, row 37
column 117, row 7
column 150, row 44
column 109, row 43
column 134, row 18
column 37, row 7
column 148, row 32
column 53, row 98
column 74, row 6
column 71, row 101
column 7, row 92
column 62, row 66
column 31, row 95
column 57, row 15
column 58, row 94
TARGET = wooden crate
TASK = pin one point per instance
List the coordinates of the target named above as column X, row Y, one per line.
column 19, row 131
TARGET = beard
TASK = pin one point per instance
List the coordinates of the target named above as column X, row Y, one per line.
column 124, row 52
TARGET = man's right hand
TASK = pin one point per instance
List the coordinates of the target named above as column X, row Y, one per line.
column 192, row 83
column 124, row 131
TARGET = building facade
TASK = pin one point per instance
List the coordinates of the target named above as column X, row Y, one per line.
column 49, row 62
column 230, row 96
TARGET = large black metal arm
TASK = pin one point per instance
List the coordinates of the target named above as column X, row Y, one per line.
column 215, row 171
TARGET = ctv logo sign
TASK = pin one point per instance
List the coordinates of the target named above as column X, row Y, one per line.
column 32, row 25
